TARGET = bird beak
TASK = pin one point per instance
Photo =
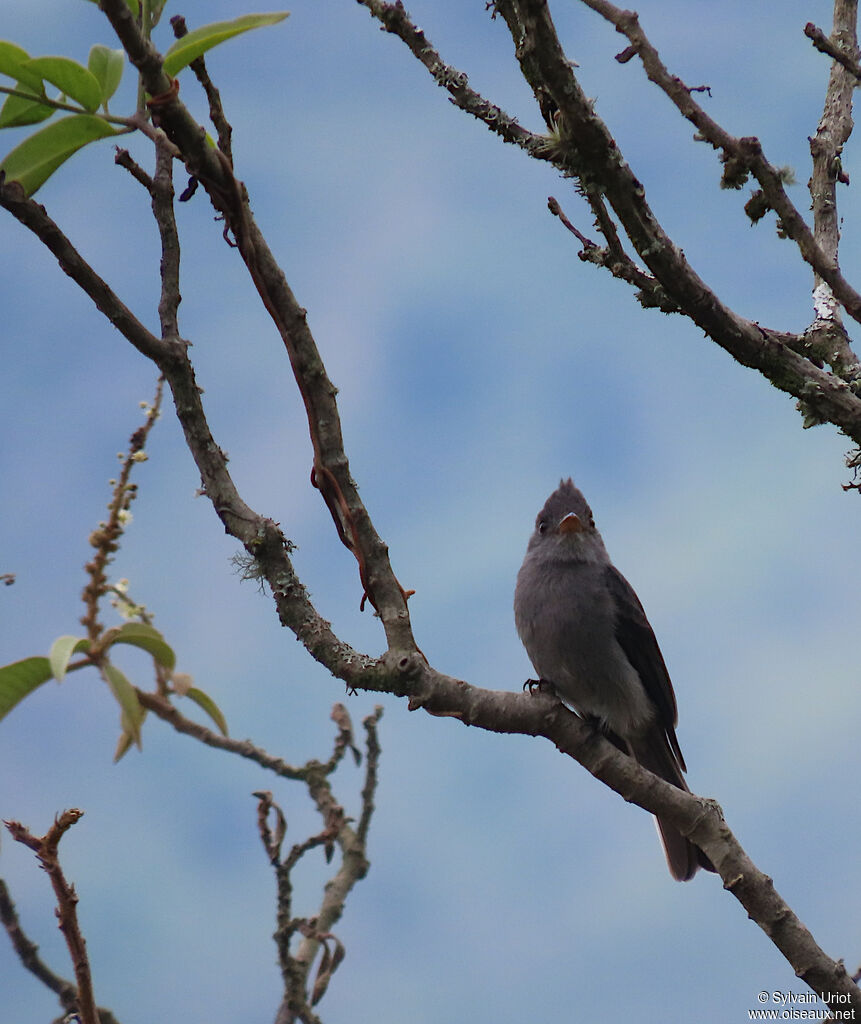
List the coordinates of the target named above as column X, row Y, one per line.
column 572, row 523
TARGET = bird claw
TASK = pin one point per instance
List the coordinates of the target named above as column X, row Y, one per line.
column 538, row 686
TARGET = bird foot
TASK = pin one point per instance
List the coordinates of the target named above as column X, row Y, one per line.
column 539, row 686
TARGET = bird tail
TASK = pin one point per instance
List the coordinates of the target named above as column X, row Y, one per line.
column 653, row 752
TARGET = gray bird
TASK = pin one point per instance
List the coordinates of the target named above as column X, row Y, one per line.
column 587, row 635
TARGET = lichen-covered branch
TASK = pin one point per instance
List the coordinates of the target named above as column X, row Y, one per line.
column 702, row 820
column 614, row 258
column 743, row 153
column 331, row 472
column 827, row 333
column 595, row 157
column 581, row 146
column 261, row 537
column 825, row 45
column 394, row 18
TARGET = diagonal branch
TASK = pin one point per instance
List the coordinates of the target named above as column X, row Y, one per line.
column 261, row 537
column 581, row 147
column 28, row 954
column 613, row 256
column 744, row 152
column 34, row 217
column 586, row 147
column 331, row 471
column 394, row 18
column 701, row 820
column 46, row 850
column 542, row 715
column 594, row 157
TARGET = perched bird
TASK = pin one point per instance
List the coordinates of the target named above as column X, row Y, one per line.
column 587, row 635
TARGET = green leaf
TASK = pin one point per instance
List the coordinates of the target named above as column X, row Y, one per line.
column 133, row 6
column 132, row 714
column 196, row 43
column 19, row 679
column 203, row 700
column 61, row 653
column 12, row 59
column 18, row 111
column 69, row 77
column 139, row 634
column 106, row 66
column 124, row 745
column 37, row 157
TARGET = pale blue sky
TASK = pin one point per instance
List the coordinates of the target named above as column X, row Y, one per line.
column 478, row 360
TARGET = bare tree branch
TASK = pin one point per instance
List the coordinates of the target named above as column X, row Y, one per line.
column 394, row 18
column 615, row 259
column 261, row 537
column 825, row 45
column 213, row 96
column 331, row 472
column 316, row 932
column 541, row 715
column 744, row 153
column 45, row 848
column 28, row 953
column 582, row 147
column 34, row 217
column 826, row 147
column 594, row 156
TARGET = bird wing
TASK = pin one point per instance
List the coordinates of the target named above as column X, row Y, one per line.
column 637, row 640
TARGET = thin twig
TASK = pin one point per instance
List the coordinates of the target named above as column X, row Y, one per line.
column 372, row 760
column 581, row 146
column 331, row 472
column 28, row 954
column 124, row 124
column 45, row 848
column 222, row 126
column 827, row 46
column 594, row 157
column 106, row 537
column 162, row 708
column 316, row 931
column 745, row 152
column 615, row 259
column 124, row 159
column 394, row 19
column 261, row 537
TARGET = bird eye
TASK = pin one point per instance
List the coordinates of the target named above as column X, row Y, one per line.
column 541, row 525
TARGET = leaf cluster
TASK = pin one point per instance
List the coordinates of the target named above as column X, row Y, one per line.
column 84, row 93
